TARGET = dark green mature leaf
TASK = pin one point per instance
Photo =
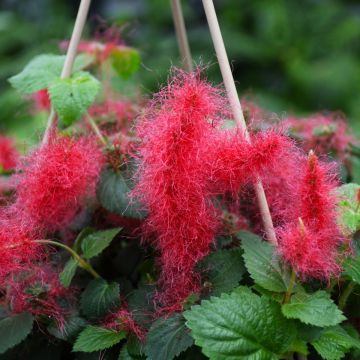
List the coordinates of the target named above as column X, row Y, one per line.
column 113, row 194
column 225, row 269
column 42, row 71
column 262, row 263
column 71, row 97
column 70, row 330
column 352, row 268
column 125, row 61
column 167, row 338
column 14, row 329
column 241, row 325
column 334, row 343
column 124, row 354
column 68, row 272
column 315, row 309
column 99, row 298
column 95, row 338
column 348, row 208
column 96, row 242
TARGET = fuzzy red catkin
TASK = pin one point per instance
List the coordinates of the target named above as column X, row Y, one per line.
column 310, row 242
column 8, row 154
column 56, row 178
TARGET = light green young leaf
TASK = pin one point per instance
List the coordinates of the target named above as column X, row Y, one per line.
column 334, row 343
column 71, row 97
column 96, row 242
column 167, row 338
column 68, row 272
column 125, row 61
column 315, row 309
column 262, row 263
column 352, row 268
column 42, row 71
column 239, row 326
column 95, row 338
column 14, row 329
column 99, row 298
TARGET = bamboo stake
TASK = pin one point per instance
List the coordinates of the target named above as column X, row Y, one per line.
column 236, row 108
column 181, row 35
column 70, row 59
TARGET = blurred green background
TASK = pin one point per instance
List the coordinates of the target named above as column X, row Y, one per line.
column 293, row 56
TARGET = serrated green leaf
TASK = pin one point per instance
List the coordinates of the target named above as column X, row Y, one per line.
column 334, row 343
column 348, row 209
column 96, row 242
column 72, row 96
column 95, row 338
column 42, row 71
column 100, row 298
column 167, row 338
column 70, row 329
column 113, row 193
column 82, row 235
column 14, row 329
column 315, row 309
column 262, row 263
column 124, row 354
column 125, row 61
column 239, row 326
column 225, row 269
column 68, row 272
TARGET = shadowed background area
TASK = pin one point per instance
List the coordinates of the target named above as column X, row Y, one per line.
column 291, row 56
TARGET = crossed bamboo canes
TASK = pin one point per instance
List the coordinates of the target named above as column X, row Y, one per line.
column 230, row 90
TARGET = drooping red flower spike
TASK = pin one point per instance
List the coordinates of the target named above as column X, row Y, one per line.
column 8, row 154
column 172, row 179
column 56, row 179
column 312, row 247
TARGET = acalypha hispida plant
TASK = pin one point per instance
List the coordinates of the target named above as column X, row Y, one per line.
column 186, row 225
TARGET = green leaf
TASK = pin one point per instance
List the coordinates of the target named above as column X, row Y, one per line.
column 225, row 269
column 71, row 97
column 96, row 242
column 241, row 325
column 315, row 309
column 82, row 235
column 95, row 338
column 352, row 268
column 262, row 263
column 100, row 298
column 124, row 354
column 348, row 208
column 14, row 329
column 334, row 343
column 68, row 272
column 70, row 330
column 42, row 71
column 113, row 193
column 167, row 338
column 125, row 61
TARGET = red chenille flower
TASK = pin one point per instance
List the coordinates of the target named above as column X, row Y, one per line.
column 8, row 154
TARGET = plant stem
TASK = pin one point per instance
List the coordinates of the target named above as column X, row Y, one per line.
column 345, row 294
column 289, row 291
column 237, row 110
column 82, row 263
column 181, row 35
column 70, row 59
column 96, row 129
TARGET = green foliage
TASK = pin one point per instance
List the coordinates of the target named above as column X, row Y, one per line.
column 14, row 330
column 96, row 242
column 348, row 207
column 70, row 330
column 95, row 338
column 262, row 263
column 113, row 194
column 43, row 71
column 352, row 268
column 99, row 298
column 225, row 269
column 125, row 61
column 334, row 342
column 241, row 325
column 315, row 309
column 71, row 97
column 68, row 272
column 167, row 338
